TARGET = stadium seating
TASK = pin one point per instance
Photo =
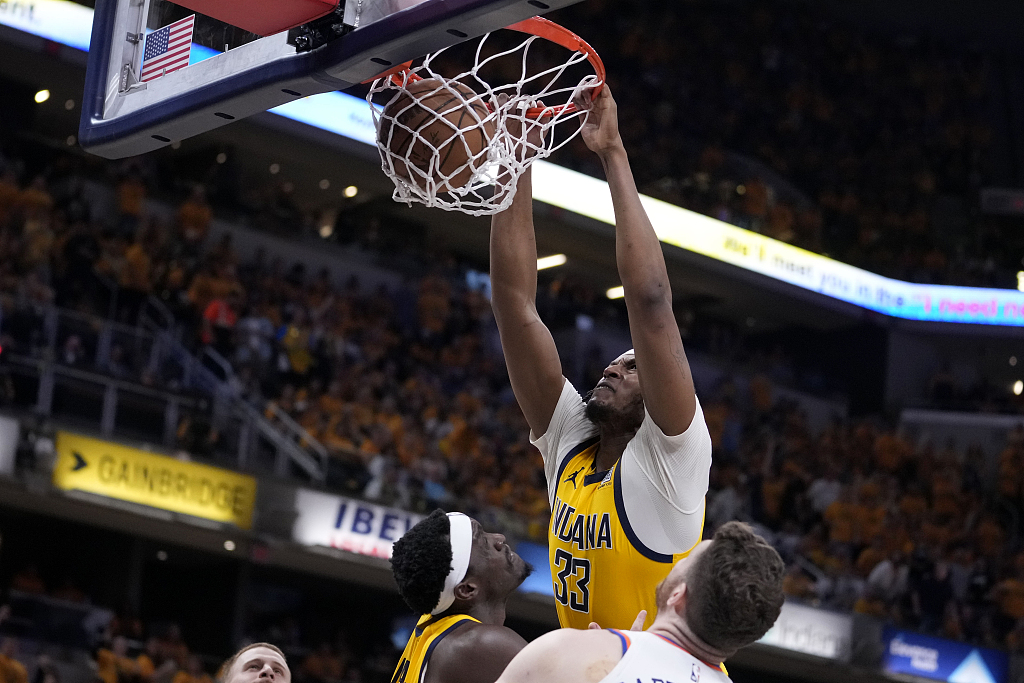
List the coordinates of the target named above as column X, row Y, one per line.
column 115, row 274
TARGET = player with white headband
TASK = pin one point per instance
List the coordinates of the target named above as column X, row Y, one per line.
column 458, row 577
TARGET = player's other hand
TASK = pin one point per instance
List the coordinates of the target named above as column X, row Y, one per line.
column 601, row 131
column 638, row 623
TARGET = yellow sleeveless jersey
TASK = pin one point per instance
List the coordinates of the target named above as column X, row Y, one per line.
column 600, row 570
column 429, row 631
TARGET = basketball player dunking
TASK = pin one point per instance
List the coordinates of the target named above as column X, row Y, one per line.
column 458, row 577
column 725, row 595
column 627, row 465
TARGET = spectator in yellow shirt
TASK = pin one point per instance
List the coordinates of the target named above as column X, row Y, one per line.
column 194, row 219
column 1008, row 595
column 113, row 664
column 796, row 584
column 840, row 518
column 154, row 665
column 131, row 197
column 11, row 670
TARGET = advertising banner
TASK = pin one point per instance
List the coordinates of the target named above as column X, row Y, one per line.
column 115, row 471
column 941, row 660
column 812, row 631
column 589, row 196
column 349, row 524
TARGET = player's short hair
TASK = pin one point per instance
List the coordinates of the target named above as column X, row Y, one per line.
column 734, row 589
column 225, row 668
column 421, row 560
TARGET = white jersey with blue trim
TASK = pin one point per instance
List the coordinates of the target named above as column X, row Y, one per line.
column 651, row 658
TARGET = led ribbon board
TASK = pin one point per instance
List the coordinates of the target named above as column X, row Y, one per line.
column 341, row 114
column 724, row 242
column 58, row 20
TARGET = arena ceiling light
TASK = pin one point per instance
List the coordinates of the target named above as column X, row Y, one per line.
column 615, row 293
column 551, row 261
column 42, row 96
column 1018, row 388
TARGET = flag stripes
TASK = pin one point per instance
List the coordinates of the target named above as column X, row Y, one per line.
column 167, row 49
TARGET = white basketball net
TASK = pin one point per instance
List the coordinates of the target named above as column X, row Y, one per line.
column 517, row 142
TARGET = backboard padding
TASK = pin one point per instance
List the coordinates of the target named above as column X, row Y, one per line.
column 262, row 17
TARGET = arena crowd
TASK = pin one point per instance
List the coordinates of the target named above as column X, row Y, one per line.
column 407, row 391
column 777, row 120
column 780, row 119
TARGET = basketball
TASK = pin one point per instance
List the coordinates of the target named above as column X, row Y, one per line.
column 430, row 114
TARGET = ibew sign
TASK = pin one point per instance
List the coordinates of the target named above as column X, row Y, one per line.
column 349, row 524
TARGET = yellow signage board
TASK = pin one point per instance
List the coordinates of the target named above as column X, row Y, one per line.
column 108, row 469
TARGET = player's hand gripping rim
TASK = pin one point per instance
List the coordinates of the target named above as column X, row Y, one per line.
column 600, row 132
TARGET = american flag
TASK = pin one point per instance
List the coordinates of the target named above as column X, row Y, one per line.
column 167, row 49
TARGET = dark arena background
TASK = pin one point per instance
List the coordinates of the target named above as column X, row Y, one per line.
column 233, row 371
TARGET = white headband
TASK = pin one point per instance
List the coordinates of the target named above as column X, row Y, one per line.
column 461, row 538
column 631, row 352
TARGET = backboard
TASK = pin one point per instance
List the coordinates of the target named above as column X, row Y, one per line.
column 162, row 71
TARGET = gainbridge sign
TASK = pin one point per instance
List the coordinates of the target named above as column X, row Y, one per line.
column 115, row 471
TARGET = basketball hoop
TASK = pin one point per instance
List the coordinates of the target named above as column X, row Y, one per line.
column 500, row 129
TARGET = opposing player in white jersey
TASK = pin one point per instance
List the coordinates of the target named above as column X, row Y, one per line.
column 724, row 595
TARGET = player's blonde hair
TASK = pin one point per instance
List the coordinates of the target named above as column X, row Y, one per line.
column 225, row 668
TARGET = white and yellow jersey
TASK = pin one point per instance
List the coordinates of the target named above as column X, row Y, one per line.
column 651, row 657
column 615, row 535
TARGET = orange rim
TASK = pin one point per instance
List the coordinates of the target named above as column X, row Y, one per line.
column 537, row 26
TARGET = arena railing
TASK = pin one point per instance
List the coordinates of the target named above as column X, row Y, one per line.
column 143, row 384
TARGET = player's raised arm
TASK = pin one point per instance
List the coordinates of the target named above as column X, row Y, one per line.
column 664, row 373
column 530, row 353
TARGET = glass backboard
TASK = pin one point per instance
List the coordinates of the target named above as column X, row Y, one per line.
column 163, row 71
